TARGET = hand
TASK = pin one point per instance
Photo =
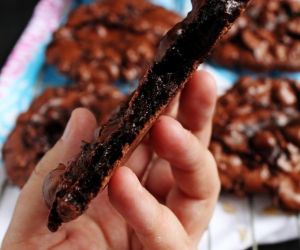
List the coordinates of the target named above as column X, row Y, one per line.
column 172, row 208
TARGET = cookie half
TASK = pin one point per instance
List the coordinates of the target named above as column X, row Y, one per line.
column 256, row 139
column 40, row 127
column 110, row 40
column 265, row 38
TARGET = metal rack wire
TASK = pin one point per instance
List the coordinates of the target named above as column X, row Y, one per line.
column 250, row 218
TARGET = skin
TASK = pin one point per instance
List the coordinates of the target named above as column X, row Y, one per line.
column 162, row 199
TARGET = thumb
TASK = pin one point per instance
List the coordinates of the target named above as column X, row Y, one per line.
column 154, row 224
column 31, row 212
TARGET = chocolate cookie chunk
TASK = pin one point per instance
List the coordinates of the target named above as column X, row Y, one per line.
column 110, row 40
column 265, row 38
column 256, row 139
column 42, row 125
column 184, row 47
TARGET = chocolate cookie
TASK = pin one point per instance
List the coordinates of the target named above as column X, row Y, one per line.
column 42, row 125
column 69, row 190
column 256, row 139
column 265, row 38
column 110, row 40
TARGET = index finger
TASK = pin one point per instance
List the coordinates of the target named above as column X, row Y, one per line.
column 196, row 188
column 197, row 105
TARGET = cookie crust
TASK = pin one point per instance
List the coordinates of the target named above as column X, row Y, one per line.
column 256, row 139
column 110, row 40
column 266, row 38
column 38, row 129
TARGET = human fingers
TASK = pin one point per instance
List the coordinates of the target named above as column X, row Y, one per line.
column 149, row 219
column 160, row 179
column 143, row 154
column 197, row 105
column 196, row 188
column 172, row 109
column 140, row 158
column 196, row 108
column 31, row 202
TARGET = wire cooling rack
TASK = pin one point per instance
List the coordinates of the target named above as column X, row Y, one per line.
column 250, row 234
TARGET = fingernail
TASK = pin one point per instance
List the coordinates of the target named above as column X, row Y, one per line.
column 50, row 184
column 97, row 133
column 67, row 131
